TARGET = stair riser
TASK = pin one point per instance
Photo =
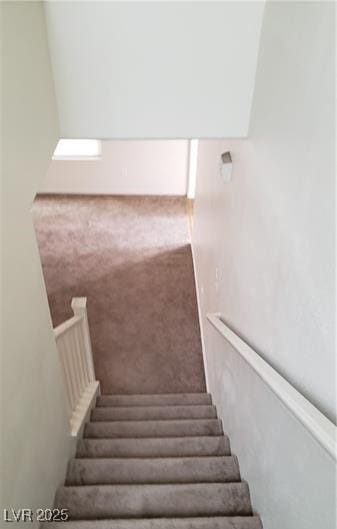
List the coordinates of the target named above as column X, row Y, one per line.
column 176, row 470
column 155, row 400
column 128, row 501
column 155, row 412
column 172, row 447
column 155, row 462
column 237, row 522
column 127, row 429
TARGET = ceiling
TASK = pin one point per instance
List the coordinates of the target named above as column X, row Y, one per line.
column 154, row 69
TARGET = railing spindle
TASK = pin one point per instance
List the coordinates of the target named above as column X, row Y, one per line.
column 66, row 371
column 77, row 360
column 77, row 345
column 72, row 369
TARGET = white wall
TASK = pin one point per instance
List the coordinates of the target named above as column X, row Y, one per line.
column 35, row 441
column 148, row 167
column 265, row 255
column 154, row 69
column 292, row 479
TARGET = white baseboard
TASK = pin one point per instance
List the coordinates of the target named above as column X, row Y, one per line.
column 202, row 335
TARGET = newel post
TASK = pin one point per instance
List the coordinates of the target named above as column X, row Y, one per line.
column 79, row 306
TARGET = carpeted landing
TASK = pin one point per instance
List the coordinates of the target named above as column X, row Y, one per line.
column 131, row 257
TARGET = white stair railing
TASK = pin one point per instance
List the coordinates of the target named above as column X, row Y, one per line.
column 74, row 347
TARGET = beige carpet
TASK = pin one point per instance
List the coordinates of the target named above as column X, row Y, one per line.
column 131, row 257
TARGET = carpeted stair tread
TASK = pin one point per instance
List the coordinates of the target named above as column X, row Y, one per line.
column 143, row 413
column 167, row 428
column 155, row 462
column 128, row 501
column 161, row 470
column 169, row 399
column 216, row 522
column 155, row 447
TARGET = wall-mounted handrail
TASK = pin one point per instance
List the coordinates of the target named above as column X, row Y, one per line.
column 74, row 347
column 319, row 426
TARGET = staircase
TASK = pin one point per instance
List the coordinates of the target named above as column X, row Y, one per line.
column 155, row 462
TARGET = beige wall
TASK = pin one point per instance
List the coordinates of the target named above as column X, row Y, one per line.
column 264, row 250
column 265, row 241
column 35, row 441
column 144, row 167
